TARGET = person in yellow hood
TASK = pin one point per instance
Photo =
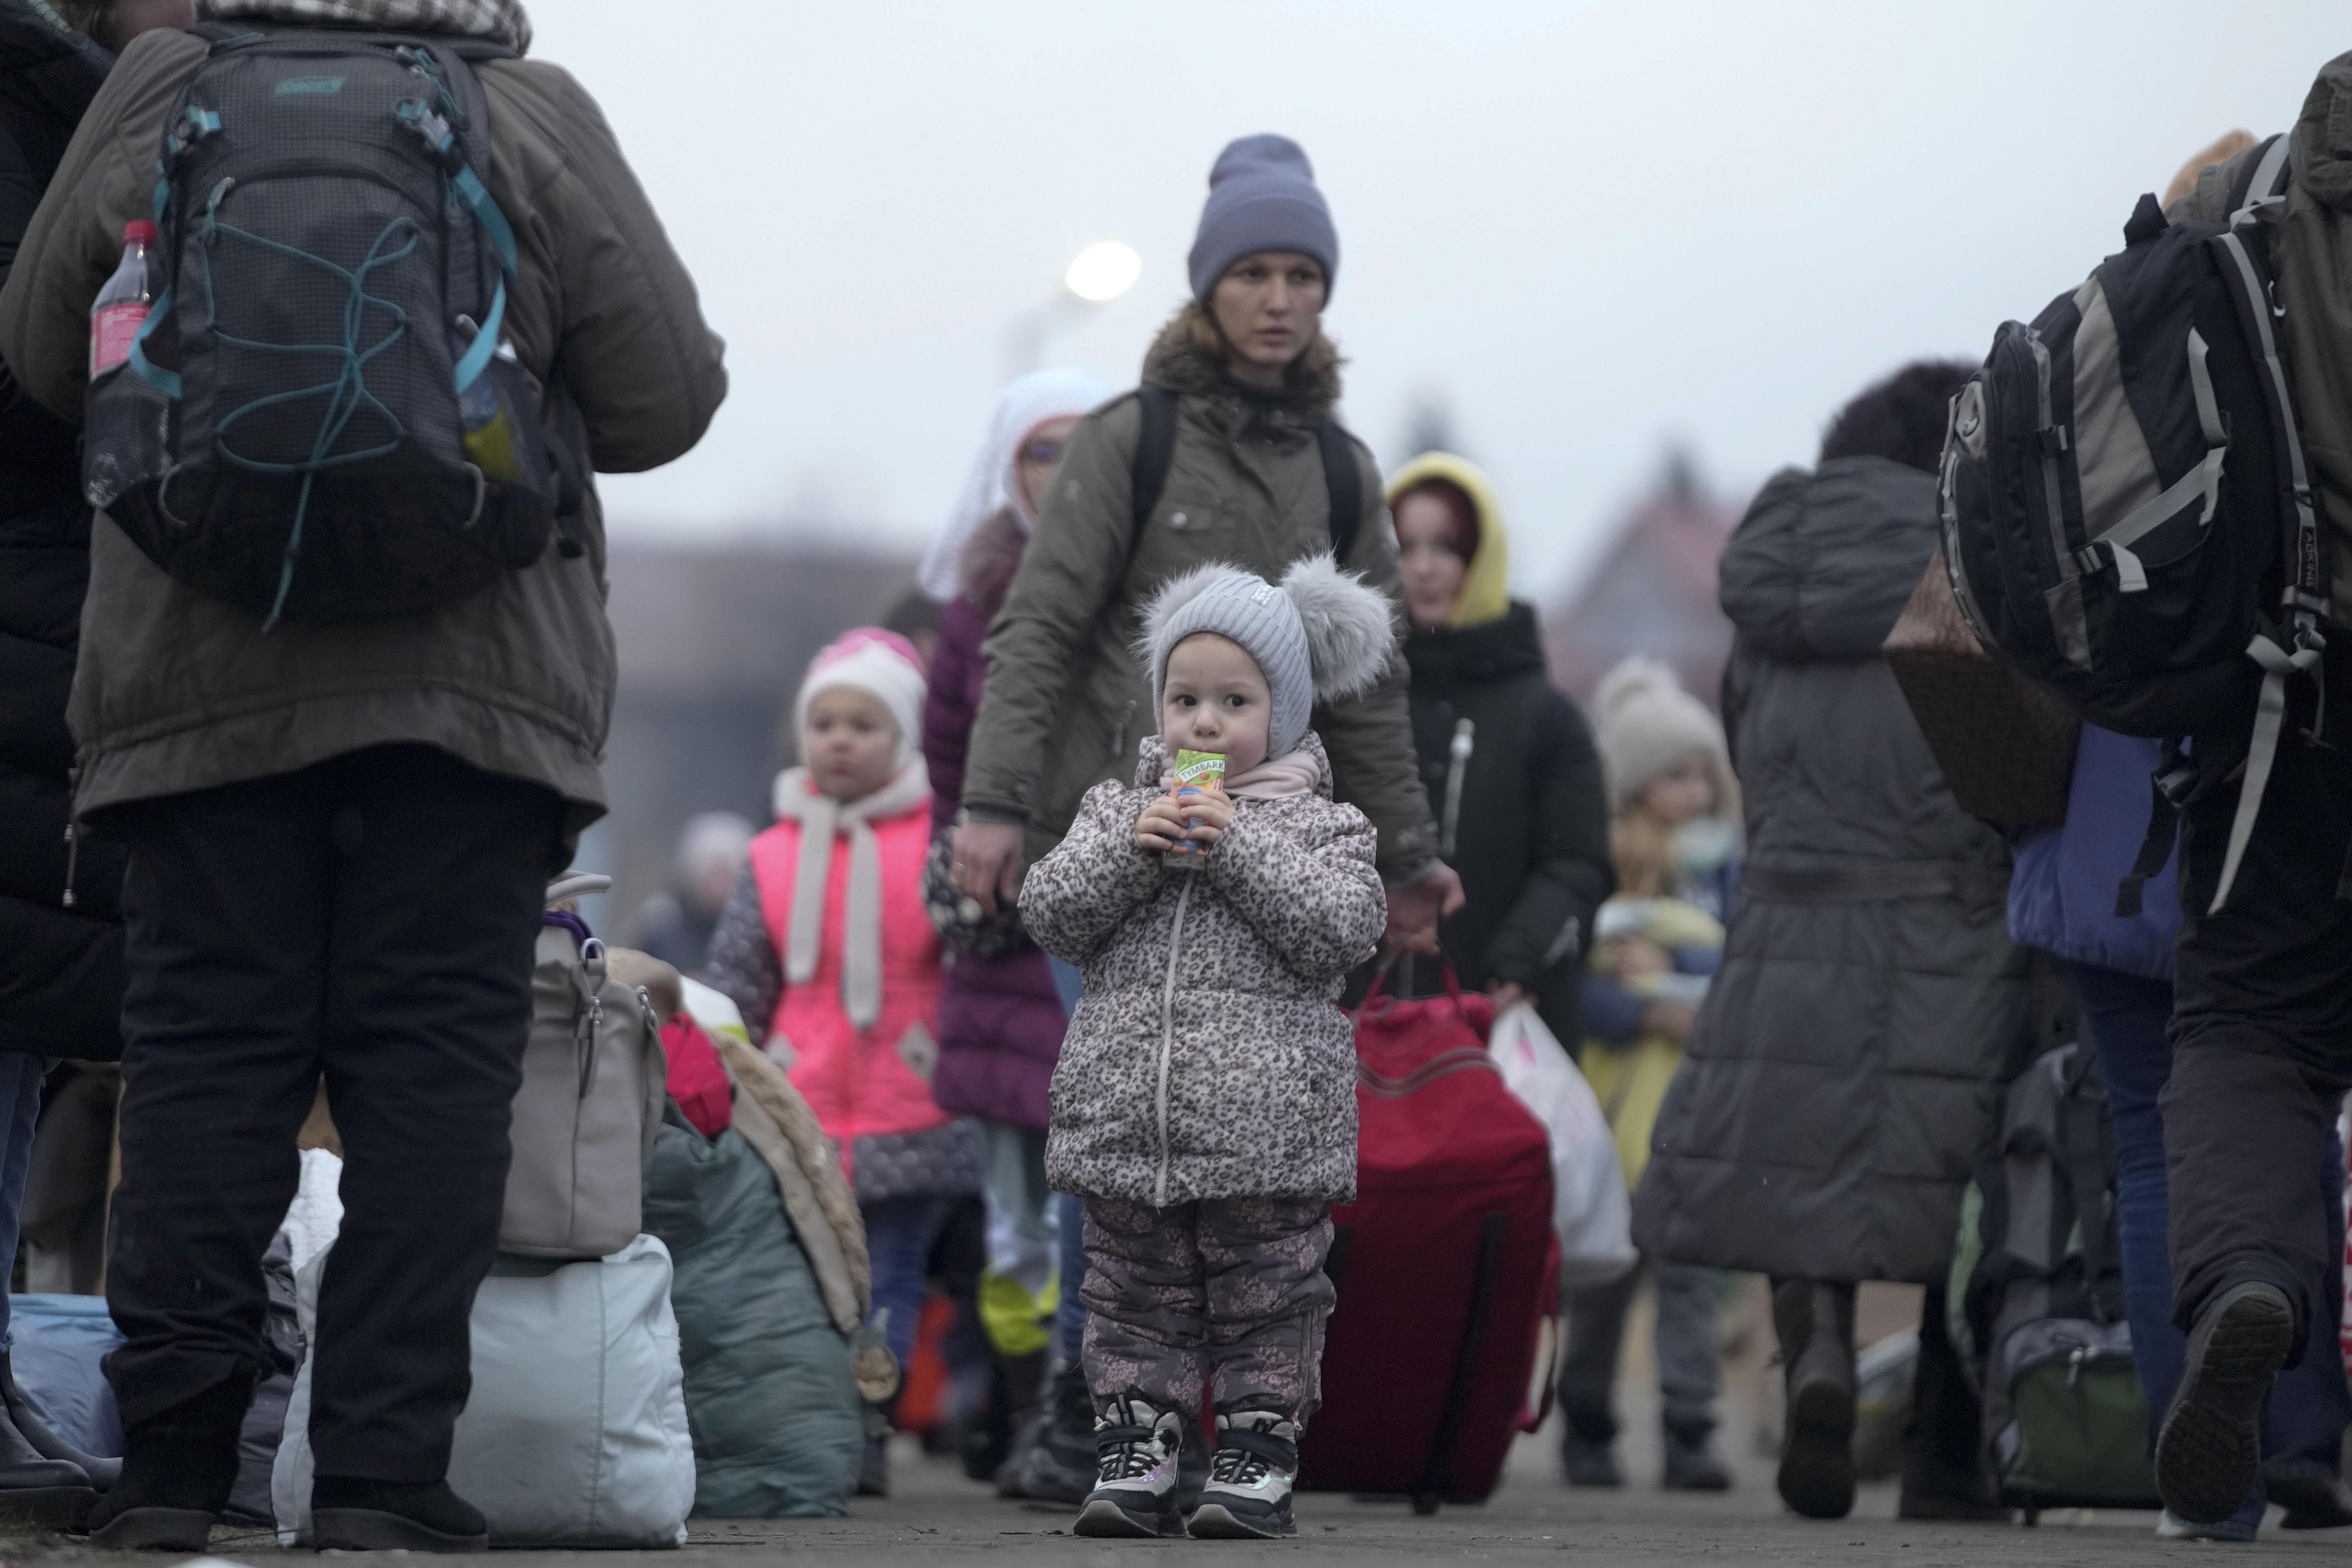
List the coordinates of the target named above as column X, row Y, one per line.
column 1508, row 761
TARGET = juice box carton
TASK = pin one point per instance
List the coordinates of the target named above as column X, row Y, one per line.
column 1197, row 772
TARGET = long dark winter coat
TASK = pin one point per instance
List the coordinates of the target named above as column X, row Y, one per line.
column 1000, row 1018
column 1843, row 1077
column 61, row 969
column 1529, row 829
column 1208, row 1058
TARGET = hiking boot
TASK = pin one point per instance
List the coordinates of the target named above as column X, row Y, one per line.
column 1053, row 1459
column 2314, row 1495
column 1692, row 1465
column 101, row 1473
column 1589, row 1464
column 177, row 1475
column 1135, row 1471
column 1251, row 1470
column 2210, row 1450
column 349, row 1514
column 1815, row 1322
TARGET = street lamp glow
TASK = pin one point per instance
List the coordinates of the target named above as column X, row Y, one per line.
column 1103, row 271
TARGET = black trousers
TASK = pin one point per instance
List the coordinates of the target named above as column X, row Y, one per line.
column 371, row 920
column 2261, row 1030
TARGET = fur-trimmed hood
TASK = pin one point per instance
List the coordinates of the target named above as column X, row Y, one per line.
column 1181, row 360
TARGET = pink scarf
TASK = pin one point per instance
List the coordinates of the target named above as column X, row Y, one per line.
column 1278, row 778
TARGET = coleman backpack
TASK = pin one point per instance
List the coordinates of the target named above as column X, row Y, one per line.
column 2126, row 511
column 320, row 419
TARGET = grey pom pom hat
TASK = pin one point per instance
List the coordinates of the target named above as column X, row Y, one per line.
column 1262, row 196
column 1320, row 636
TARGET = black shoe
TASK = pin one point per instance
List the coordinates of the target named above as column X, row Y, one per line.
column 874, row 1467
column 2210, row 1448
column 1055, row 1461
column 1692, row 1465
column 103, row 1473
column 1949, row 1509
column 352, row 1515
column 1587, row 1463
column 177, row 1476
column 1815, row 1322
column 1251, row 1472
column 38, row 1491
column 2314, row 1497
column 1134, row 1494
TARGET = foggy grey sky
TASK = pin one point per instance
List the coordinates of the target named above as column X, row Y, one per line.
column 1588, row 229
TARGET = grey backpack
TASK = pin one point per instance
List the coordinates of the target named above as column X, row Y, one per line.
column 321, row 420
column 594, row 1078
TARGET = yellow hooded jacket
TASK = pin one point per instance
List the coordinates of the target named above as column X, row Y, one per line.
column 1485, row 592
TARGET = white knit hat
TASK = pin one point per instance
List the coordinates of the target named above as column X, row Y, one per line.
column 1319, row 636
column 882, row 665
column 1646, row 724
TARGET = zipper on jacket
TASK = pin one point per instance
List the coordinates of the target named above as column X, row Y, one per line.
column 1464, row 734
column 1168, row 1039
column 73, row 837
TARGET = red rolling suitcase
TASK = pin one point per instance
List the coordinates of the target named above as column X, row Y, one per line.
column 1444, row 1343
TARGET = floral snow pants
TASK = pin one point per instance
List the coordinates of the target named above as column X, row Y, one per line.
column 1227, row 1294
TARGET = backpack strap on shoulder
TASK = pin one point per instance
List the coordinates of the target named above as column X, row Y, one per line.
column 2265, row 180
column 1155, row 450
column 1343, row 483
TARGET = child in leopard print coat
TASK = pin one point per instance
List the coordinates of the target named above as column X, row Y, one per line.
column 1204, row 1105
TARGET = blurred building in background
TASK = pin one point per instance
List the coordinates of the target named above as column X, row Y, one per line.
column 712, row 642
column 1649, row 588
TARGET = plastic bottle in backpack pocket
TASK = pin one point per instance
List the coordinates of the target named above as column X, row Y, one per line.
column 486, row 417
column 122, row 307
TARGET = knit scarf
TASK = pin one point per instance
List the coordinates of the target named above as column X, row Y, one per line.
column 503, row 20
column 1278, row 778
column 824, row 820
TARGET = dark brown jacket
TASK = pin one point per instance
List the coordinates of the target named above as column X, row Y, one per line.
column 176, row 691
column 1066, row 705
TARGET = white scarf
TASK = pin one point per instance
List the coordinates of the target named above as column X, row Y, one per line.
column 822, row 819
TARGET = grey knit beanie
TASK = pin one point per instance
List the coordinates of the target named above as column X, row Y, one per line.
column 1321, row 635
column 1262, row 196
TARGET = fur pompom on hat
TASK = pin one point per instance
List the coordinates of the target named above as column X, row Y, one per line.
column 1319, row 636
column 1646, row 724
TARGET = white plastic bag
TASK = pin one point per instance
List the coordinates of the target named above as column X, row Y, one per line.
column 576, row 1434
column 1589, row 1208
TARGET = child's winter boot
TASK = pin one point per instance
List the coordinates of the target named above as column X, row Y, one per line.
column 1250, row 1478
column 1135, row 1471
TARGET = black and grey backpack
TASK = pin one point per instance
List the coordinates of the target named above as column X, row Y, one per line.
column 319, row 420
column 2127, row 513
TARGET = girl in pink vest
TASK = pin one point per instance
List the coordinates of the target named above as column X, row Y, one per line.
column 828, row 950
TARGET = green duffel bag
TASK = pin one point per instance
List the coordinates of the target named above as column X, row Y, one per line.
column 2036, row 1306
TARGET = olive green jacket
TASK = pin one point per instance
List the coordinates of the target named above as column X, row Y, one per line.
column 1066, row 705
column 176, row 691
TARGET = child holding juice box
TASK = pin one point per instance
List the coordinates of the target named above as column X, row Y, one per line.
column 1204, row 1105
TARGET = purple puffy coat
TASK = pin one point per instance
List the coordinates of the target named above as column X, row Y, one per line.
column 1000, row 1022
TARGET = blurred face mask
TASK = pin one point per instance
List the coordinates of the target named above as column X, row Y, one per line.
column 1703, row 844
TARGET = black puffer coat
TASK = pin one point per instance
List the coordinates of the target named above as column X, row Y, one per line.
column 1528, row 829
column 61, row 969
column 1843, row 1078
